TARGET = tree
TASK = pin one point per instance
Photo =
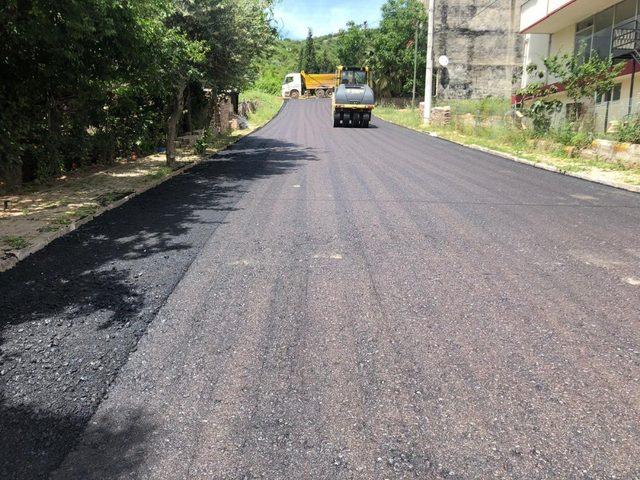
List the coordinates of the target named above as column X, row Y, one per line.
column 353, row 45
column 60, row 62
column 326, row 62
column 86, row 81
column 309, row 59
column 583, row 79
column 393, row 46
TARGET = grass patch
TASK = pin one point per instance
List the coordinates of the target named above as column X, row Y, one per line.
column 110, row 197
column 160, row 173
column 61, row 221
column 268, row 106
column 83, row 211
column 493, row 107
column 507, row 139
column 15, row 242
column 408, row 117
column 48, row 229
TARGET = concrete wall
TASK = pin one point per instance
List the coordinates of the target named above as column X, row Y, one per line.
column 484, row 49
column 536, row 49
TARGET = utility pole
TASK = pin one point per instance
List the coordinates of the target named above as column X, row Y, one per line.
column 428, row 89
column 415, row 65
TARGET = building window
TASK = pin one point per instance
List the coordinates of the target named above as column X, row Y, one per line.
column 584, row 37
column 602, row 32
column 625, row 11
column 594, row 35
column 612, row 96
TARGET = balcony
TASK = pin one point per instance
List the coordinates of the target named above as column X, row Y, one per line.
column 550, row 16
column 625, row 42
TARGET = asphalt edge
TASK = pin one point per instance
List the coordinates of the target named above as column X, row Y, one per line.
column 531, row 163
column 16, row 256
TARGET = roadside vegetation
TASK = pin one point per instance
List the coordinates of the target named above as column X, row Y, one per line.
column 87, row 83
column 559, row 147
column 268, row 106
column 540, row 128
column 42, row 209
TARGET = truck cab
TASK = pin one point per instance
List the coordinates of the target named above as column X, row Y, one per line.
column 292, row 85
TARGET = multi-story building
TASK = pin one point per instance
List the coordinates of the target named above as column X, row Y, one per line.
column 588, row 27
column 483, row 45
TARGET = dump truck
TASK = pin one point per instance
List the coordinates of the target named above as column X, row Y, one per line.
column 300, row 84
column 353, row 99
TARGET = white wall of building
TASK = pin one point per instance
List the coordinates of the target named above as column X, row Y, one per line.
column 561, row 39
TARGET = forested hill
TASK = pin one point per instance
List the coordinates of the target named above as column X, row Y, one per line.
column 388, row 50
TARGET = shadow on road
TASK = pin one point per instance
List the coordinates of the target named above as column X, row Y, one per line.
column 71, row 313
column 117, row 449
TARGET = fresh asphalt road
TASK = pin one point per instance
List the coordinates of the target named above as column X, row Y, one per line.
column 368, row 304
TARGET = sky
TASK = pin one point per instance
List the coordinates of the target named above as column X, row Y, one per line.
column 323, row 16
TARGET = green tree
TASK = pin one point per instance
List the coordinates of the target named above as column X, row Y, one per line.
column 326, row 62
column 309, row 59
column 583, row 79
column 86, row 81
column 278, row 60
column 393, row 44
column 353, row 45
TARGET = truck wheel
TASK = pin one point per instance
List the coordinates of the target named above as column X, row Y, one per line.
column 357, row 120
column 336, row 120
column 365, row 124
column 320, row 93
column 295, row 94
column 330, row 92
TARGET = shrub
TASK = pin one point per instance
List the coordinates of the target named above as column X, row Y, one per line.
column 568, row 136
column 201, row 146
column 629, row 131
column 204, row 142
column 581, row 140
column 564, row 134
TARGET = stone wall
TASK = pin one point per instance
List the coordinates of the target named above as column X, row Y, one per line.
column 484, row 49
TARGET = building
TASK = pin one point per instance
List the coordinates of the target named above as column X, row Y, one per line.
column 481, row 40
column 590, row 27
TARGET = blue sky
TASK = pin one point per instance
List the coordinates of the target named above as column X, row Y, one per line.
column 323, row 16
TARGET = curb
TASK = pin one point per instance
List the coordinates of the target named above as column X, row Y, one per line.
column 543, row 166
column 531, row 163
column 17, row 256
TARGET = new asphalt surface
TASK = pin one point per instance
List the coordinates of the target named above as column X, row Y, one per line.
column 320, row 303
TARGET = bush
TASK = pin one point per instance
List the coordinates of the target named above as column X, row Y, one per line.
column 567, row 135
column 564, row 134
column 582, row 140
column 200, row 147
column 629, row 131
column 204, row 142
